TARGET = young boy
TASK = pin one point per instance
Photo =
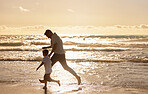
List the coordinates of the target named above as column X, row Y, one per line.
column 47, row 64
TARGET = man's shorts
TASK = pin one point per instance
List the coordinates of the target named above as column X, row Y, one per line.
column 47, row 77
column 58, row 57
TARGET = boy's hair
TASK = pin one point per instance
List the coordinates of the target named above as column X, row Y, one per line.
column 45, row 52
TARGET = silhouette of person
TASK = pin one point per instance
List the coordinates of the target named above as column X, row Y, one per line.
column 47, row 64
column 59, row 53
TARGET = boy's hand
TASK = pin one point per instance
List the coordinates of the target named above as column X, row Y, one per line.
column 40, row 66
column 49, row 55
column 37, row 69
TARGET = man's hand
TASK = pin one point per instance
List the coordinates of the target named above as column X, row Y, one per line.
column 44, row 47
column 49, row 55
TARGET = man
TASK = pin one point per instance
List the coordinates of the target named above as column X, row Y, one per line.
column 59, row 53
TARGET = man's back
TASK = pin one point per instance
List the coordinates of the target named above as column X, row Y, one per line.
column 55, row 39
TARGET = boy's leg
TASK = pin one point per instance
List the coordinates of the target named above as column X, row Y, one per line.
column 48, row 78
column 42, row 81
column 52, row 80
column 57, row 81
column 45, row 87
column 45, row 80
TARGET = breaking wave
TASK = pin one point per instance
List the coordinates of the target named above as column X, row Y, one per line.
column 11, row 44
column 19, row 49
column 81, row 60
column 72, row 49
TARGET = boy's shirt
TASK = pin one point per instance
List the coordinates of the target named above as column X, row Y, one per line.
column 47, row 64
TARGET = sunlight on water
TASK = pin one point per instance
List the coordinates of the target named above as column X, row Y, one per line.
column 88, row 40
column 103, row 62
column 106, row 41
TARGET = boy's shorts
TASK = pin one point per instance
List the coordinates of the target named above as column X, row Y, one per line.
column 47, row 77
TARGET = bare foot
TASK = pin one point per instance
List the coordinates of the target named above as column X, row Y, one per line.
column 44, row 87
column 59, row 82
column 79, row 80
column 42, row 81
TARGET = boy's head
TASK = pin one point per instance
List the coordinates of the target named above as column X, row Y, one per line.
column 45, row 52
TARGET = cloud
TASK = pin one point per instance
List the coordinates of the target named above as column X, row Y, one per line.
column 90, row 29
column 3, row 27
column 70, row 10
column 144, row 26
column 118, row 26
column 123, row 26
column 36, row 27
column 23, row 9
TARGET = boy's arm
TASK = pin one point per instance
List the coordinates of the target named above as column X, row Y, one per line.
column 40, row 66
column 54, row 47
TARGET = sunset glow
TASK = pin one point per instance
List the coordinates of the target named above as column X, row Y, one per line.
column 109, row 17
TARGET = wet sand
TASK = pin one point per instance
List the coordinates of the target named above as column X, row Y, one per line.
column 20, row 89
column 18, row 78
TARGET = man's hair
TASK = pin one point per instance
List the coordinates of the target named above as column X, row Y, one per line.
column 47, row 32
column 45, row 52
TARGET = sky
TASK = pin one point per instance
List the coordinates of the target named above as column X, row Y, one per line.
column 109, row 16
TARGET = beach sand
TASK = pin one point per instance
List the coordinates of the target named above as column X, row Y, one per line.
column 18, row 89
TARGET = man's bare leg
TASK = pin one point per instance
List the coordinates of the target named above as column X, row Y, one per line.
column 66, row 67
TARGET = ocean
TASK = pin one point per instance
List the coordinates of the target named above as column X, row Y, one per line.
column 104, row 62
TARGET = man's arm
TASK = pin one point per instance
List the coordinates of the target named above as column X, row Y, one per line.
column 40, row 66
column 54, row 47
column 46, row 47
